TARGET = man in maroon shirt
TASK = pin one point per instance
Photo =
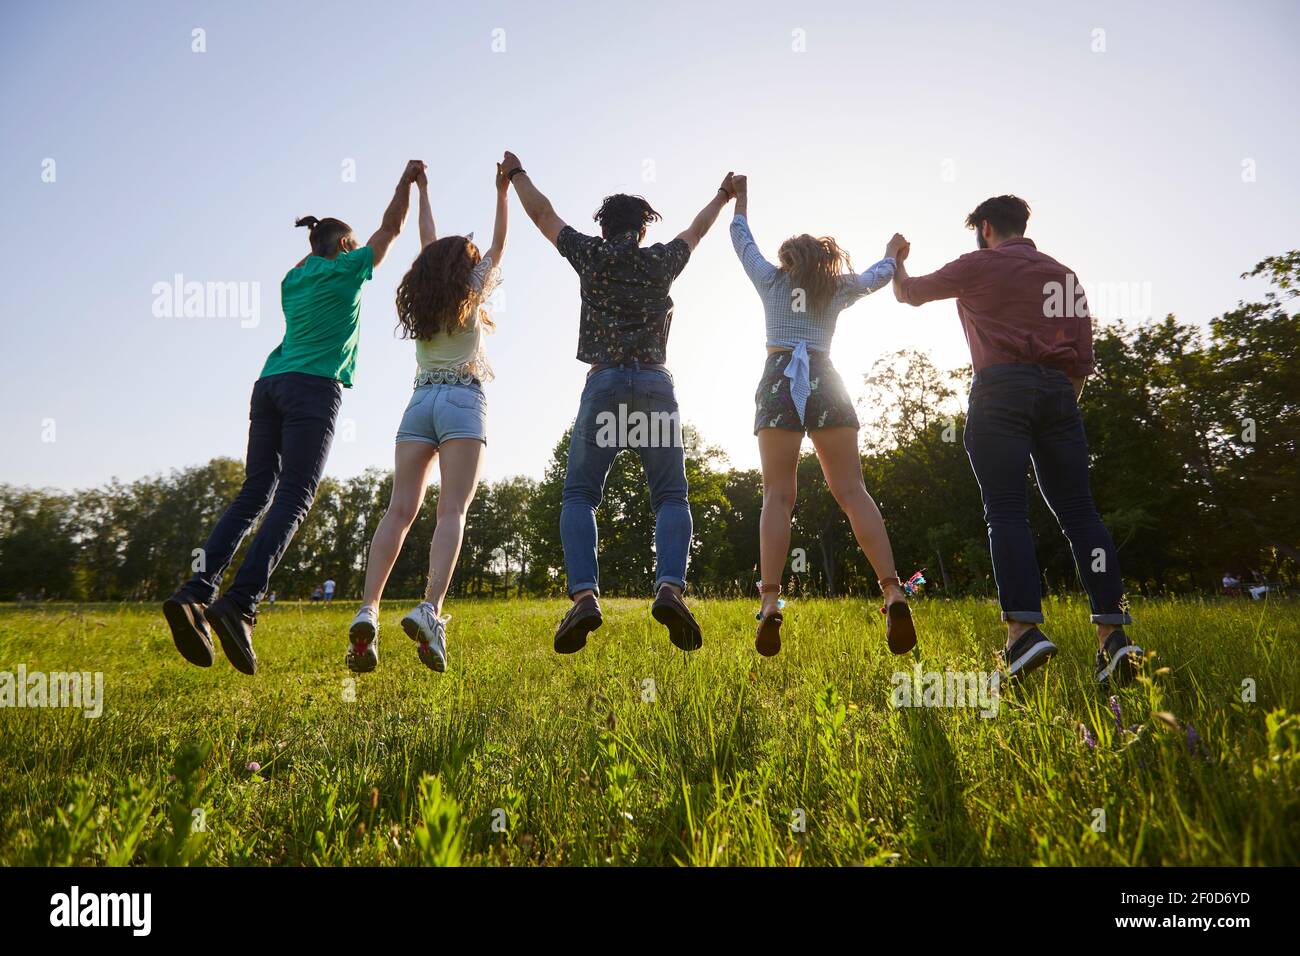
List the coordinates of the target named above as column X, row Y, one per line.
column 1026, row 320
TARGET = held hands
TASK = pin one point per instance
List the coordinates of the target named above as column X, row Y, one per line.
column 502, row 183
column 510, row 161
column 727, row 188
column 897, row 248
column 739, row 184
column 414, row 173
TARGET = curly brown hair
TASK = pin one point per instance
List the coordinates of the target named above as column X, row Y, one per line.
column 435, row 295
column 814, row 265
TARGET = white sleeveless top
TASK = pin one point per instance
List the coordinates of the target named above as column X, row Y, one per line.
column 462, row 352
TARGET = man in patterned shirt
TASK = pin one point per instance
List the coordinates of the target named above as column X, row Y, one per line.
column 628, row 401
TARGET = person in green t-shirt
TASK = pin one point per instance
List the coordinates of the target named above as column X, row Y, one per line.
column 291, row 425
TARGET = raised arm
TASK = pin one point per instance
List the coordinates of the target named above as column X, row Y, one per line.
column 427, row 231
column 705, row 218
column 538, row 207
column 503, row 210
column 759, row 270
column 878, row 275
column 395, row 215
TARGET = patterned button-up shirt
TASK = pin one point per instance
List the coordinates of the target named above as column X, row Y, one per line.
column 626, row 309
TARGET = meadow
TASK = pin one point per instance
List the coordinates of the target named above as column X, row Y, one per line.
column 633, row 753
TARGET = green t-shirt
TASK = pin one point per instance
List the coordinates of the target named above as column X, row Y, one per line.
column 321, row 300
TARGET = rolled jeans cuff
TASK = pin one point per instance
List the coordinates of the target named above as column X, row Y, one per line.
column 1024, row 617
column 584, row 586
column 1119, row 618
column 678, row 582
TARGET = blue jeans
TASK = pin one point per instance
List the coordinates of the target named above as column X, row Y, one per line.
column 291, row 427
column 626, row 407
column 1022, row 413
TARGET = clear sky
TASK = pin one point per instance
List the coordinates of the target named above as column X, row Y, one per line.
column 1159, row 157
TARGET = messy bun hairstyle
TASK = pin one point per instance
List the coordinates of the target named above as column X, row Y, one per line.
column 324, row 234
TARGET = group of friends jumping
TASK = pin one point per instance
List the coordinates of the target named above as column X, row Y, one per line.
column 1030, row 364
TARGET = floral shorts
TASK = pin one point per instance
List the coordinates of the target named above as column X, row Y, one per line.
column 829, row 404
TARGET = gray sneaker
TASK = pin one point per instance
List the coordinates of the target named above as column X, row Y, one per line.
column 363, row 641
column 428, row 630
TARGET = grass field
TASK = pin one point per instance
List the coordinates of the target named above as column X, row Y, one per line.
column 634, row 753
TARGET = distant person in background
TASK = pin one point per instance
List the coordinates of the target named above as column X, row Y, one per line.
column 291, row 426
column 1026, row 321
column 329, row 589
column 317, row 593
column 625, row 316
column 440, row 305
column 1231, row 585
column 799, row 392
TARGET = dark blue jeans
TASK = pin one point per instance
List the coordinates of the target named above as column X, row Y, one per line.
column 291, row 426
column 1027, row 413
column 636, row 408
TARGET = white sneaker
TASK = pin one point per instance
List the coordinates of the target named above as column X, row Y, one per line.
column 363, row 641
column 430, row 632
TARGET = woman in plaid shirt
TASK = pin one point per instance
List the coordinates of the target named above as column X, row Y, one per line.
column 800, row 391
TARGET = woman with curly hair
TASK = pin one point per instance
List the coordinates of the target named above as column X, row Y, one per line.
column 800, row 391
column 440, row 305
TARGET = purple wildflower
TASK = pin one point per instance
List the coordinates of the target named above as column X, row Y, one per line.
column 1088, row 738
column 1114, row 709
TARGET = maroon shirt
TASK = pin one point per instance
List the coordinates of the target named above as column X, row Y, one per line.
column 1016, row 305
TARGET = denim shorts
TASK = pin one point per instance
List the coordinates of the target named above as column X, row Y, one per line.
column 441, row 412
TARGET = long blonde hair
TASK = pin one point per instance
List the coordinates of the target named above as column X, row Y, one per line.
column 814, row 265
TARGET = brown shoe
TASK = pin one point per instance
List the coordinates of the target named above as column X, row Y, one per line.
column 900, row 633
column 767, row 641
column 671, row 611
column 583, row 618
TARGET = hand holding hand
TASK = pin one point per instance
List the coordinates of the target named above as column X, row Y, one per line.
column 503, row 184
column 414, row 173
column 739, row 184
column 510, row 161
column 727, row 191
column 897, row 248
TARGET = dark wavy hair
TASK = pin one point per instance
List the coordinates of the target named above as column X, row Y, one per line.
column 814, row 265
column 435, row 295
column 622, row 213
column 1008, row 215
column 324, row 234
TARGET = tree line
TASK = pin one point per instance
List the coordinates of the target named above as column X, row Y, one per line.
column 1193, row 432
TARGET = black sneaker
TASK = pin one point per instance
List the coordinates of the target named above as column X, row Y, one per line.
column 189, row 631
column 1119, row 658
column 671, row 611
column 1030, row 651
column 234, row 627
column 583, row 618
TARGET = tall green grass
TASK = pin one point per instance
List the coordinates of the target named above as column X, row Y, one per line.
column 633, row 753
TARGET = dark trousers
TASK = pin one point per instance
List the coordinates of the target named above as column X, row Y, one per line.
column 291, row 426
column 1020, row 414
